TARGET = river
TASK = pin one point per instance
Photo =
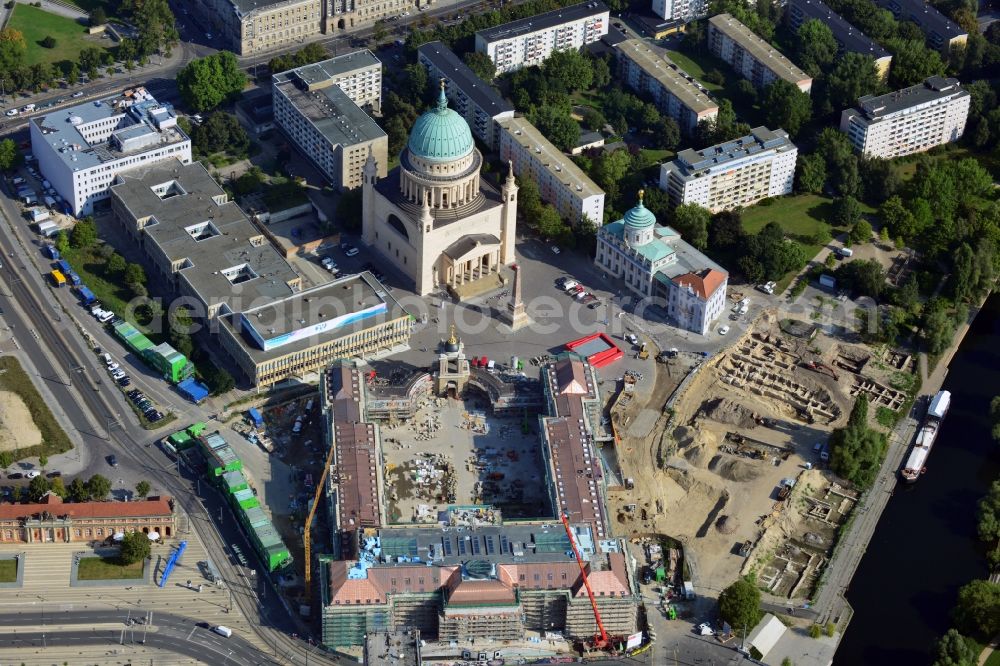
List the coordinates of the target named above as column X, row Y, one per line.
column 925, row 545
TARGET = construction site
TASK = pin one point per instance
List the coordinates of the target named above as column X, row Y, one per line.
column 734, row 463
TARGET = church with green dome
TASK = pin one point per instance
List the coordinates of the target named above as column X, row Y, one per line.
column 660, row 268
column 433, row 217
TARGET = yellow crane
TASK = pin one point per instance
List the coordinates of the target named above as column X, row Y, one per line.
column 309, row 520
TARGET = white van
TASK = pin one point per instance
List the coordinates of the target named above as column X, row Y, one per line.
column 845, row 251
column 27, row 108
column 223, row 631
column 297, row 428
column 309, row 404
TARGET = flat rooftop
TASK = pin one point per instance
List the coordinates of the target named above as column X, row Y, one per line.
column 325, row 72
column 333, row 113
column 351, row 304
column 852, row 39
column 924, row 15
column 135, row 111
column 655, row 62
column 761, row 50
column 556, row 162
column 222, row 255
column 761, row 139
column 544, row 21
column 933, row 88
column 451, row 66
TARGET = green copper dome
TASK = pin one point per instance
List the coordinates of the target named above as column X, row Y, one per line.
column 640, row 217
column 441, row 135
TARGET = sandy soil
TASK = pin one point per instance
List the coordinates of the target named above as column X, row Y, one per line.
column 17, row 430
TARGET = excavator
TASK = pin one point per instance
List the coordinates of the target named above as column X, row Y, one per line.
column 601, row 641
column 817, row 366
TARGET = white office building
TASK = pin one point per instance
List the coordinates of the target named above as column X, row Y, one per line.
column 732, row 174
column 318, row 107
column 751, row 56
column 81, row 149
column 662, row 269
column 647, row 69
column 908, row 121
column 560, row 181
column 474, row 99
column 530, row 41
column 683, row 11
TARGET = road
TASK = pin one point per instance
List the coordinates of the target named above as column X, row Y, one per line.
column 169, row 633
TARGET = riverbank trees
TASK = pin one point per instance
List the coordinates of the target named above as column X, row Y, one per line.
column 856, row 450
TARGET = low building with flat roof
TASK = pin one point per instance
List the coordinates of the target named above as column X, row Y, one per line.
column 81, row 149
column 209, row 251
column 474, row 99
column 530, row 41
column 319, row 107
column 647, row 69
column 751, row 56
column 941, row 32
column 849, row 39
column 50, row 520
column 732, row 174
column 560, row 181
column 908, row 121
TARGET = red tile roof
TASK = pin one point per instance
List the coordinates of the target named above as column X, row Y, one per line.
column 475, row 592
column 704, row 283
column 356, row 451
column 53, row 504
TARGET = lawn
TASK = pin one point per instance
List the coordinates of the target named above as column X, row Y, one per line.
column 54, row 439
column 697, row 65
column 36, row 24
column 89, row 265
column 801, row 217
column 97, row 568
column 8, row 571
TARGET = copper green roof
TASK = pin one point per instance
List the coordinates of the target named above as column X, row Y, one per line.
column 441, row 134
column 639, row 217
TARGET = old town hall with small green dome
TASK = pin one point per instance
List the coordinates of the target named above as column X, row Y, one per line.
column 432, row 217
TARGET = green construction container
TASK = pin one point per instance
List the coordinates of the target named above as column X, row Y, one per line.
column 244, row 499
column 169, row 362
column 133, row 339
column 277, row 557
column 234, row 482
column 254, row 517
column 181, row 439
column 195, row 429
column 219, row 456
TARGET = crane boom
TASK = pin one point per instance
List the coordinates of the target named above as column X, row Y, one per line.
column 586, row 583
column 309, row 519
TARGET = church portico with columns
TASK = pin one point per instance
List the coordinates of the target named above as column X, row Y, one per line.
column 433, row 217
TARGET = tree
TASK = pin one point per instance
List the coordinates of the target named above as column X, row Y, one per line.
column 48, row 42
column 142, row 489
column 602, row 73
column 207, row 82
column 988, row 513
column 549, row 224
column 747, row 90
column 593, row 119
column 865, row 277
column 13, row 49
column 963, row 278
column 134, row 548
column 846, row 212
column 156, row 23
column 739, row 605
column 853, row 75
column 726, row 230
column 379, row 32
column 71, row 72
column 810, row 173
column 938, row 327
column 10, row 156
column 977, row 612
column 861, row 232
column 6, row 459
column 480, row 64
column 84, row 233
column 135, row 275
column 897, row 218
column 43, row 461
column 773, row 253
column 856, row 451
column 786, row 106
column 218, row 379
column 815, row 47
column 912, row 62
column 98, row 487
column 879, row 178
column 57, row 487
column 555, row 123
column 610, row 169
column 568, row 71
column 529, row 199
column 116, row 264
column 953, row 649
column 98, row 16
column 221, row 132
column 691, row 221
column 666, row 133
column 78, row 491
column 37, row 488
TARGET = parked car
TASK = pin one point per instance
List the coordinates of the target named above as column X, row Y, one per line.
column 113, row 460
column 632, row 338
column 15, row 475
column 79, row 93
column 768, row 287
column 32, row 474
column 53, row 475
column 12, row 112
column 724, row 330
column 555, row 249
column 351, row 251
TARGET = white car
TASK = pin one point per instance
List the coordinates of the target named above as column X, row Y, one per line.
column 113, row 366
column 705, row 629
column 12, row 112
column 632, row 338
column 351, row 251
column 79, row 93
column 555, row 249
column 768, row 287
column 32, row 474
column 723, row 330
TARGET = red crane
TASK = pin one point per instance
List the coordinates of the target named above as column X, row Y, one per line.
column 602, row 641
